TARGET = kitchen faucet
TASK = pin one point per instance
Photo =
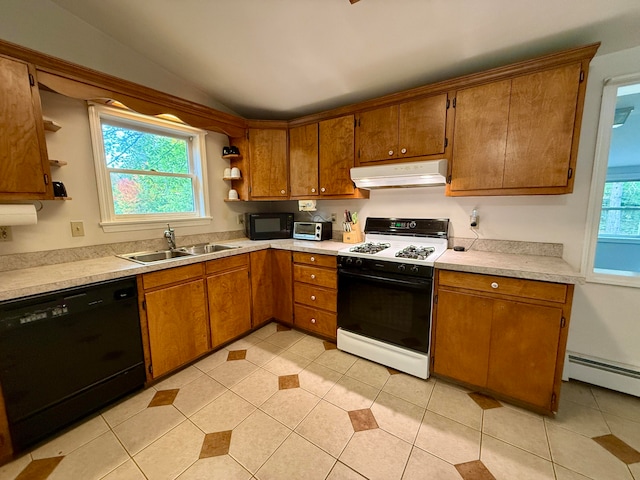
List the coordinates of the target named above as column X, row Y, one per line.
column 170, row 235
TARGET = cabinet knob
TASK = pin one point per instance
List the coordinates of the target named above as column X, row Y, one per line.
column 313, row 259
column 313, row 277
column 282, row 192
column 390, row 152
column 494, row 285
column 313, row 190
column 313, row 320
column 404, row 150
column 323, row 189
column 313, row 297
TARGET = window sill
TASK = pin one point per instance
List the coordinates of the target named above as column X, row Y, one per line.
column 615, row 277
column 112, row 227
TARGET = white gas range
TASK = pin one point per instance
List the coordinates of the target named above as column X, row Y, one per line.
column 385, row 287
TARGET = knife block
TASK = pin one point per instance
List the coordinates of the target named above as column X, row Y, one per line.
column 352, row 237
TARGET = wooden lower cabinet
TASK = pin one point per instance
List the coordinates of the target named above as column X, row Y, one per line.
column 176, row 317
column 262, row 297
column 282, row 285
column 502, row 335
column 6, row 448
column 228, row 292
column 315, row 293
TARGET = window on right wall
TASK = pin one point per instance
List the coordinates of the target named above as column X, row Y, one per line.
column 613, row 254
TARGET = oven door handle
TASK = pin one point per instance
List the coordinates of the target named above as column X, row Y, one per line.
column 419, row 283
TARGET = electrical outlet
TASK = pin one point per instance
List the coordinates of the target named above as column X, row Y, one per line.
column 5, row 234
column 240, row 219
column 334, row 217
column 77, row 229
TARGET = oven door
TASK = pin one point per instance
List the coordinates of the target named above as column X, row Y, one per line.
column 392, row 308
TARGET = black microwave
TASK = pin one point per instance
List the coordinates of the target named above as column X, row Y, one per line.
column 268, row 226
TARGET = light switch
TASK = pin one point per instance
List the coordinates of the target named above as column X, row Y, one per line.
column 77, row 229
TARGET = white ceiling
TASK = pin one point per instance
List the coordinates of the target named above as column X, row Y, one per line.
column 280, row 59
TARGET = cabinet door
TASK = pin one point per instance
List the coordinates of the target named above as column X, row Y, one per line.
column 268, row 163
column 262, row 297
column 377, row 134
column 229, row 306
column 178, row 331
column 462, row 336
column 24, row 164
column 422, row 127
column 524, row 350
column 282, row 282
column 541, row 122
column 336, row 156
column 303, row 160
column 480, row 136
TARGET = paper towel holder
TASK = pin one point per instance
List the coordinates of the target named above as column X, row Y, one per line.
column 18, row 214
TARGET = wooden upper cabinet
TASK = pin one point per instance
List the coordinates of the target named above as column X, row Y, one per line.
column 480, row 136
column 24, row 163
column 518, row 136
column 303, row 160
column 268, row 163
column 336, row 156
column 400, row 132
column 541, row 122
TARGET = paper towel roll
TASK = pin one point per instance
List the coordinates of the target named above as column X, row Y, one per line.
column 18, row 215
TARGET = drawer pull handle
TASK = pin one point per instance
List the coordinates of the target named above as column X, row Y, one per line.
column 390, row 152
column 323, row 189
column 282, row 192
column 313, row 277
column 404, row 150
column 494, row 285
column 313, row 297
column 313, row 190
column 313, row 259
column 313, row 320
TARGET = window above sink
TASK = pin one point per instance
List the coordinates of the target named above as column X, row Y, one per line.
column 149, row 171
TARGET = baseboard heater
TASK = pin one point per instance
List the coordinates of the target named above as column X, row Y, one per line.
column 603, row 373
column 607, row 367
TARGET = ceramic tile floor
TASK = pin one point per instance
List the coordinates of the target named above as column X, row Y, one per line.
column 279, row 404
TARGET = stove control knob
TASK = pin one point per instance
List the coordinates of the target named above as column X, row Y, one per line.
column 415, row 269
column 412, row 224
column 349, row 260
column 358, row 262
column 402, row 267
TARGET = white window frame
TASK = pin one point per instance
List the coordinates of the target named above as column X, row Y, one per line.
column 598, row 180
column 109, row 221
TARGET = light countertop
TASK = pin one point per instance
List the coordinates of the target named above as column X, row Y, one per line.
column 42, row 279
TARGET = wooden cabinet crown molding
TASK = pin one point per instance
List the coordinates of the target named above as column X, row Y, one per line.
column 77, row 81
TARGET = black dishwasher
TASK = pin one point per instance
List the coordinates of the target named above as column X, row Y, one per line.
column 66, row 354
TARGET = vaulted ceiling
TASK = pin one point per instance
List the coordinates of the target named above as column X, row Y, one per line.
column 281, row 59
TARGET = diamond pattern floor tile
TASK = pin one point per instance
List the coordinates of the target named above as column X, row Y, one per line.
column 279, row 403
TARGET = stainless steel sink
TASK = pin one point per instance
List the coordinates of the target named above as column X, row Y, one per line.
column 202, row 248
column 153, row 257
column 166, row 255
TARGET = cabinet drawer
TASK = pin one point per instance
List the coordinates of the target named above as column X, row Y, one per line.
column 314, row 259
column 553, row 292
column 171, row 275
column 227, row 263
column 316, row 297
column 315, row 276
column 319, row 321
